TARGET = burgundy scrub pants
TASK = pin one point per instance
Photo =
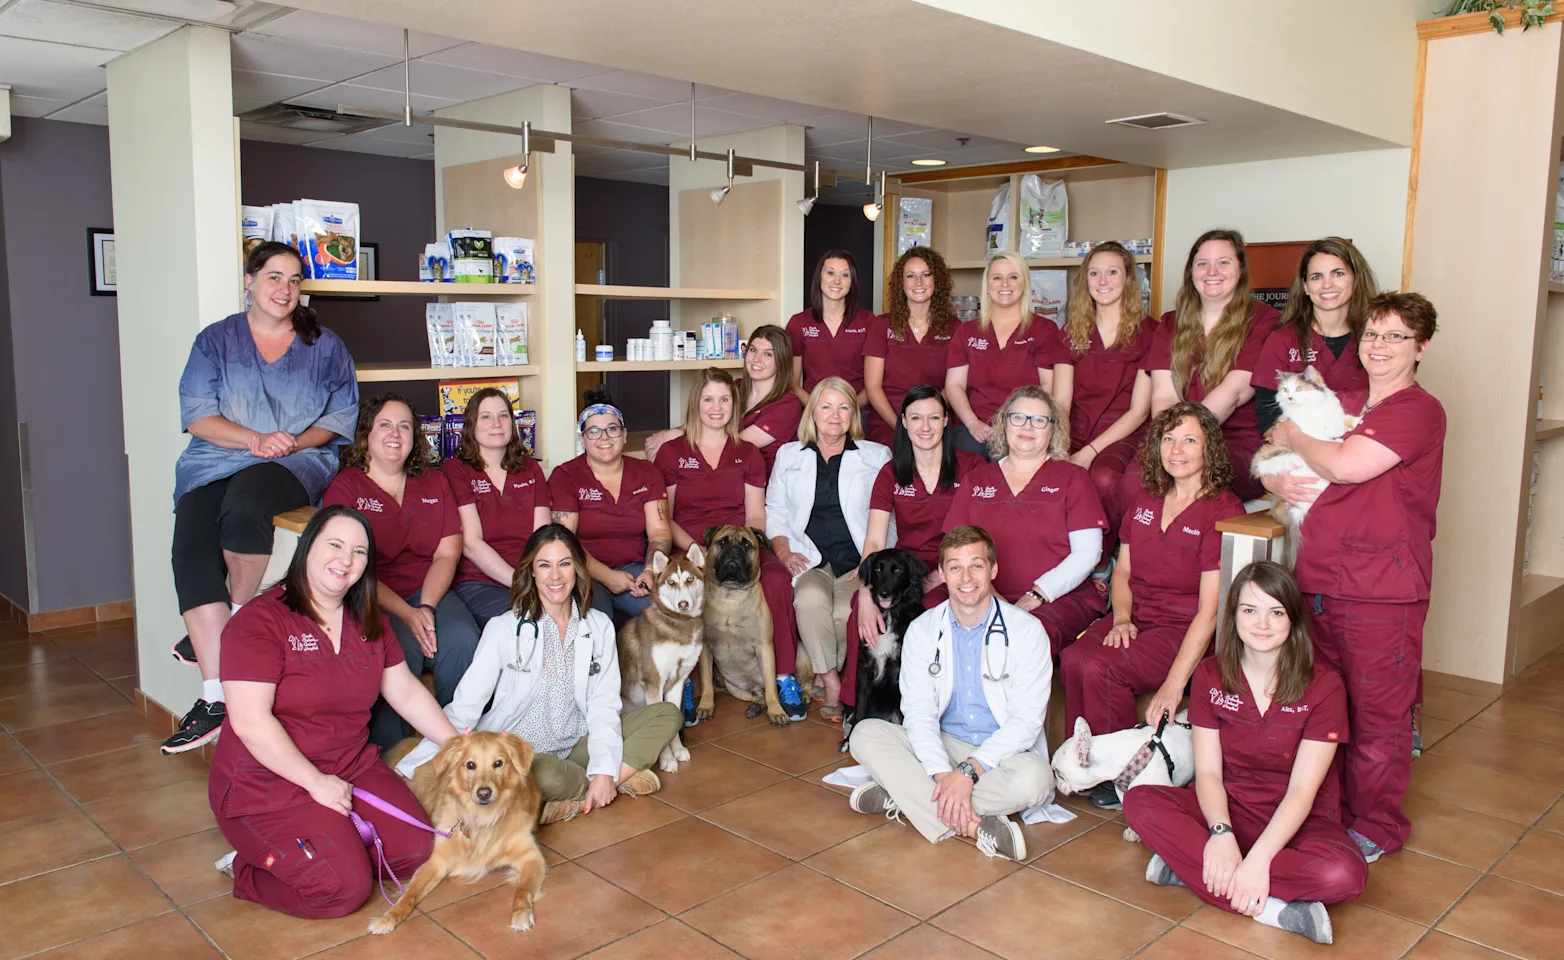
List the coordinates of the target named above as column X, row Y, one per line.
column 1378, row 650
column 272, row 870
column 1069, row 616
column 1102, row 682
column 776, row 584
column 1320, row 862
column 1107, row 474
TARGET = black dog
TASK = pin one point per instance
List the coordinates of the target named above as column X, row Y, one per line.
column 895, row 582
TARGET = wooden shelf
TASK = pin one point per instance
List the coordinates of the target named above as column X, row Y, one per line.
column 613, row 292
column 1555, row 288
column 1037, row 263
column 392, row 288
column 1548, row 429
column 1536, row 587
column 653, row 366
column 382, row 372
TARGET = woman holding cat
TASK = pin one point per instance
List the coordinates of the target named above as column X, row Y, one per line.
column 1206, row 347
column 1367, row 557
column 1165, row 584
column 1319, row 328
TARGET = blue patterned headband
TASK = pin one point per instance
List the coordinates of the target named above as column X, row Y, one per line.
column 596, row 409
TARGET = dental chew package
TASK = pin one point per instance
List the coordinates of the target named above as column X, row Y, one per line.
column 440, row 322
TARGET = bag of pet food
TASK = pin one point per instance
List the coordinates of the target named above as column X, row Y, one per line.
column 1144, row 269
column 472, row 255
column 452, row 437
column 439, row 321
column 513, row 260
column 913, row 222
column 329, row 231
column 527, row 428
column 434, row 264
column 1050, row 288
column 998, row 232
column 475, row 334
column 1045, row 217
column 285, row 229
column 429, row 427
column 256, row 222
column 510, row 345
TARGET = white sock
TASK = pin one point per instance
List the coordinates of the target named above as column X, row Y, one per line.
column 233, row 608
column 1271, row 915
column 212, row 691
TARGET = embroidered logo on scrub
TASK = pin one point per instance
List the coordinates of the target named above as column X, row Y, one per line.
column 1227, row 701
column 305, row 644
column 1293, row 355
column 271, row 858
column 902, row 491
column 1333, row 736
column 985, row 493
column 366, row 504
column 689, row 463
column 481, row 486
column 1144, row 515
column 582, row 493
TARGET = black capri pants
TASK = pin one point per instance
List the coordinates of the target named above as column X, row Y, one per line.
column 234, row 514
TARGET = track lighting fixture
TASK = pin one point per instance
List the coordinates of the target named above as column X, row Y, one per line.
column 808, row 203
column 720, row 194
column 516, row 176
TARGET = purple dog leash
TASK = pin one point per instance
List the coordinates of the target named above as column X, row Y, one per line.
column 367, row 833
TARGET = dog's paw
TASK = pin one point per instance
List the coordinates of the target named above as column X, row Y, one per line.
column 843, row 747
column 681, row 753
column 778, row 719
column 522, row 921
column 753, row 710
column 1131, row 835
column 667, row 763
column 705, row 712
column 382, row 924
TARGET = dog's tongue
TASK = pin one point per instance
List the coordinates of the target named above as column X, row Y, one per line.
column 884, row 602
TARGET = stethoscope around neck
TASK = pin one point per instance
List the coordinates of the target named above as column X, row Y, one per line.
column 524, row 664
column 995, row 625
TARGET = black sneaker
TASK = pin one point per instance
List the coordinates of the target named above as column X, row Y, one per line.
column 1104, row 797
column 198, row 728
column 184, row 652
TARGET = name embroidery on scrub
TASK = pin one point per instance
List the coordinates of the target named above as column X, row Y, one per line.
column 1296, row 708
column 1145, row 515
column 482, row 486
column 1226, row 701
column 428, row 499
column 305, row 644
column 689, row 463
column 370, row 504
column 1193, row 533
column 1047, row 489
column 1293, row 355
column 584, row 493
column 639, row 490
column 522, row 484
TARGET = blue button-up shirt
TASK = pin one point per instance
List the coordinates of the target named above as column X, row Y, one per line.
column 309, row 385
column 967, row 716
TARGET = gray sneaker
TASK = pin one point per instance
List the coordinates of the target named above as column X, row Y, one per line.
column 1308, row 918
column 1001, row 837
column 873, row 798
column 1371, row 850
column 1159, row 873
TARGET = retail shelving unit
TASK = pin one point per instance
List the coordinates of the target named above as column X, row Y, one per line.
column 1479, row 237
column 1108, row 201
column 453, row 291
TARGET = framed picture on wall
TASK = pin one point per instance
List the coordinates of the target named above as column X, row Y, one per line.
column 102, row 273
column 368, row 269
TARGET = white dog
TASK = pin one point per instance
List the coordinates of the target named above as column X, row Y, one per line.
column 1164, row 755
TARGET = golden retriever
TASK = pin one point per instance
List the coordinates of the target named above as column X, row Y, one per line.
column 478, row 787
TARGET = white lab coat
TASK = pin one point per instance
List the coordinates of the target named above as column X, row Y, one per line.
column 497, row 671
column 790, row 496
column 1019, row 701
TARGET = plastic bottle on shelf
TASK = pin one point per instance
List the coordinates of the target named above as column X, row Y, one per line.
column 662, row 340
column 581, row 347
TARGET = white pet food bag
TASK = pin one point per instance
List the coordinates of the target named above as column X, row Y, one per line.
column 510, row 334
column 913, row 222
column 439, row 321
column 475, row 334
column 329, row 231
column 256, row 222
column 513, row 260
column 285, row 229
column 1556, row 268
column 998, row 234
column 1144, row 269
column 1050, row 288
column 1045, row 217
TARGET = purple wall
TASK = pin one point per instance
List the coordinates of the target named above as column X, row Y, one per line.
column 65, row 365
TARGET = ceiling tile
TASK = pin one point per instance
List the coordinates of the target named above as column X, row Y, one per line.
column 362, row 143
column 293, row 58
column 270, row 87
column 597, row 104
column 57, row 58
column 857, row 123
column 1006, row 153
column 765, row 107
column 443, row 80
column 29, row 81
column 70, row 24
column 419, row 133
column 332, row 31
column 34, row 106
column 674, row 118
column 516, row 63
column 352, row 95
column 646, row 85
column 942, row 140
column 94, row 109
column 203, row 11
column 613, row 130
column 817, row 137
column 883, row 150
column 262, row 131
column 243, row 105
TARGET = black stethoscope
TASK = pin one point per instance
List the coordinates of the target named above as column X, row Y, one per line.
column 524, row 664
column 995, row 625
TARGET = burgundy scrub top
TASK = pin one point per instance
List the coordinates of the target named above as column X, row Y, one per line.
column 505, row 512
column 1165, row 567
column 1031, row 529
column 322, row 700
column 994, row 371
column 779, row 419
column 406, row 533
column 825, row 355
column 612, row 531
column 709, row 496
column 1280, row 354
column 1242, row 428
column 1374, row 541
column 919, row 514
column 908, row 362
column 1104, row 381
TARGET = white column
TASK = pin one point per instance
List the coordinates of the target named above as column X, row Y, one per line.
column 176, row 226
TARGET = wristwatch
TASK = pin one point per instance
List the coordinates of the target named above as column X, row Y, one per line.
column 967, row 768
column 1038, row 594
column 1218, row 829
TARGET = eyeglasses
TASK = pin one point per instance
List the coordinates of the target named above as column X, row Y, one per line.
column 1037, row 420
column 1393, row 337
column 612, row 432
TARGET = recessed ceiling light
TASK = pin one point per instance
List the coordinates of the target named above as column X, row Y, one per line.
column 928, row 162
column 1042, row 149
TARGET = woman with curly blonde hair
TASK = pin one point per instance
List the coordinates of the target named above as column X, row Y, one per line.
column 1165, row 601
column 1041, row 511
column 906, row 346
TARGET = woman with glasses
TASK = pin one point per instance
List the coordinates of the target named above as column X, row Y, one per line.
column 1367, row 557
column 1043, row 514
column 617, row 507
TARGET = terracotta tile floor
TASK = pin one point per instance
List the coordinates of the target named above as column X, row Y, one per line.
column 109, row 853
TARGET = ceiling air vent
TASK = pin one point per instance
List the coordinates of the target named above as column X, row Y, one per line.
column 1157, row 121
column 312, row 119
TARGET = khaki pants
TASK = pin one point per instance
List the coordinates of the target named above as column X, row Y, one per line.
column 646, row 731
column 822, row 603
column 1021, row 781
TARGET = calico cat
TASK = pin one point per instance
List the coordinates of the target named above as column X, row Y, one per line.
column 1308, row 402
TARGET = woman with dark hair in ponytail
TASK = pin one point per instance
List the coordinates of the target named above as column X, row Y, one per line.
column 266, row 396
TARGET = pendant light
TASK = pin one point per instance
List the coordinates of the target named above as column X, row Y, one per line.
column 871, row 210
column 516, row 177
column 720, row 194
column 808, row 203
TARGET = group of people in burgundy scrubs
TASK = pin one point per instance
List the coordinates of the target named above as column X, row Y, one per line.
column 1100, row 456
